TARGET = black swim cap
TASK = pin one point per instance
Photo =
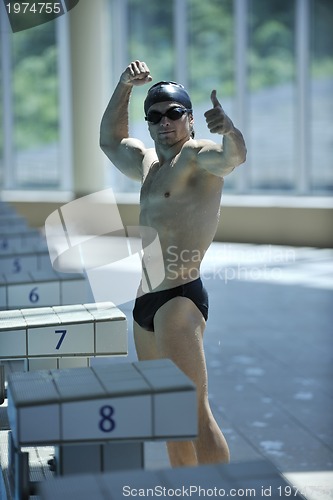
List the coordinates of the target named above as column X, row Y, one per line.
column 167, row 91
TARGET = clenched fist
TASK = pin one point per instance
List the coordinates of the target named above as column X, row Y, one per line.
column 137, row 73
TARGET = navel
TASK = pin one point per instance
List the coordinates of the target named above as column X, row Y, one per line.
column 167, row 194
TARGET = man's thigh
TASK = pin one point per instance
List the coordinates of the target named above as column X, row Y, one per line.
column 145, row 343
column 179, row 327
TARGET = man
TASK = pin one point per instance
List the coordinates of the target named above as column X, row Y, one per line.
column 182, row 180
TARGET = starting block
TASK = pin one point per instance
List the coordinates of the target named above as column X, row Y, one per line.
column 11, row 219
column 142, row 400
column 6, row 208
column 41, row 288
column 12, row 238
column 32, row 258
column 62, row 336
column 15, row 234
column 118, row 406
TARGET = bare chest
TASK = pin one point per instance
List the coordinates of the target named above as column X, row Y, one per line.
column 162, row 182
column 173, row 195
column 165, row 191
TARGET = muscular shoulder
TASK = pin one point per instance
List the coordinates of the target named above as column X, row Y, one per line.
column 208, row 156
column 204, row 155
column 195, row 146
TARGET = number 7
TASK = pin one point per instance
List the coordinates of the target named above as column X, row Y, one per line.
column 61, row 338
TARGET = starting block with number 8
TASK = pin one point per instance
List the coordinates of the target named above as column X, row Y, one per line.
column 116, row 405
column 142, row 400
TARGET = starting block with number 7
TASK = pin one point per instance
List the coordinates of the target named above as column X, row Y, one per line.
column 62, row 336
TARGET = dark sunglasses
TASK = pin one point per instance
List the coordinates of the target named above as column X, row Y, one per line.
column 172, row 113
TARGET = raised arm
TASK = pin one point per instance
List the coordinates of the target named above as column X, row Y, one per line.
column 221, row 159
column 126, row 153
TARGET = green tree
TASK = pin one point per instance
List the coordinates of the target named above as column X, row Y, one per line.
column 35, row 86
column 35, row 91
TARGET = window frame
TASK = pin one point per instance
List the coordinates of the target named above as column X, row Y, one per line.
column 65, row 174
column 302, row 145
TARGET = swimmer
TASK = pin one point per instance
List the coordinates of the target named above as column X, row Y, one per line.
column 181, row 185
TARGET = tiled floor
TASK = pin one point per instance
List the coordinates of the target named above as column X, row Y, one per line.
column 269, row 350
column 269, row 353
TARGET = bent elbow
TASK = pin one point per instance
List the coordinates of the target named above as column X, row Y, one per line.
column 234, row 162
column 244, row 154
column 107, row 142
column 108, row 147
column 104, row 146
column 242, row 157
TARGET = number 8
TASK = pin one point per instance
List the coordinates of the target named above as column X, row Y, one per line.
column 106, row 424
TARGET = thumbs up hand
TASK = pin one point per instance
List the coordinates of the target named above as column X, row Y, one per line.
column 214, row 99
column 217, row 121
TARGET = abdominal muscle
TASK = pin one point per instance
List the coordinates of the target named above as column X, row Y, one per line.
column 183, row 240
column 183, row 207
column 176, row 268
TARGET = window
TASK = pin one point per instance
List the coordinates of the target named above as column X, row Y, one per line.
column 35, row 108
column 271, row 96
column 145, row 30
column 1, row 123
column 270, row 61
column 209, row 53
column 32, row 86
column 272, row 64
column 321, row 97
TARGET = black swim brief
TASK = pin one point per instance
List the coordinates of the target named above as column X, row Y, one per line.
column 148, row 304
